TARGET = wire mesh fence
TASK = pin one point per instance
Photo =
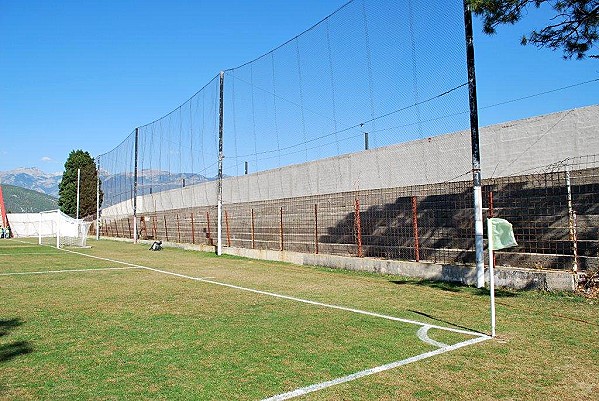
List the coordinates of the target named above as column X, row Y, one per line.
column 555, row 215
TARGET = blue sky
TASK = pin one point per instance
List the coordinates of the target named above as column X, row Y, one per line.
column 84, row 74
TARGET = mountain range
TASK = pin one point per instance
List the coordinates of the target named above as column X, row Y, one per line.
column 34, row 179
column 148, row 181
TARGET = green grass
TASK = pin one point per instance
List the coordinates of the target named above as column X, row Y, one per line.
column 141, row 334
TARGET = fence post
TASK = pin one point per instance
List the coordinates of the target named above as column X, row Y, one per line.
column 281, row 227
column 227, row 227
column 116, row 228
column 572, row 223
column 193, row 234
column 129, row 225
column 415, row 229
column 165, row 228
column 316, row 228
column 154, row 226
column 358, row 228
column 253, row 242
column 178, row 228
column 208, row 235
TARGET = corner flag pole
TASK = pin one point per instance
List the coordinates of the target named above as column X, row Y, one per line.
column 491, row 274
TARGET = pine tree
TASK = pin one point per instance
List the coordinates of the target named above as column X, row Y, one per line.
column 67, row 189
column 572, row 27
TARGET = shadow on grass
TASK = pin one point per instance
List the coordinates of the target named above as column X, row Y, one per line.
column 16, row 348
column 456, row 287
column 445, row 321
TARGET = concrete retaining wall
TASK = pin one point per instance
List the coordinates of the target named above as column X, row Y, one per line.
column 506, row 149
column 506, row 277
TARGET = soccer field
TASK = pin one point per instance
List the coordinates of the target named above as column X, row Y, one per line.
column 117, row 321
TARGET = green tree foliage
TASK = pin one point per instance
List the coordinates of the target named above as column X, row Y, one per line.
column 67, row 189
column 572, row 28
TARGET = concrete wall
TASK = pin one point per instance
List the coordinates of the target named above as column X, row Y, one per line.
column 506, row 149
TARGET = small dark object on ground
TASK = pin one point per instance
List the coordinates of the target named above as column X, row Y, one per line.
column 156, row 246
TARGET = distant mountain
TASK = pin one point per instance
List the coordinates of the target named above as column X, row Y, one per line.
column 34, row 179
column 116, row 187
column 22, row 200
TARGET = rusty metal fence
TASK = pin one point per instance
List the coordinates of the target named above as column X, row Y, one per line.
column 555, row 214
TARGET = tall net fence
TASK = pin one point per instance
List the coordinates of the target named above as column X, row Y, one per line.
column 337, row 142
column 374, row 73
column 165, row 160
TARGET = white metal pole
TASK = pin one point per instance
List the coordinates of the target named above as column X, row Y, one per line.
column 58, row 216
column 491, row 275
column 78, row 186
column 98, row 201
column 39, row 230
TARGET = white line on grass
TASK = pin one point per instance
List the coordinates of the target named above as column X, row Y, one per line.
column 423, row 336
column 67, row 271
column 320, row 386
column 287, row 297
column 28, row 253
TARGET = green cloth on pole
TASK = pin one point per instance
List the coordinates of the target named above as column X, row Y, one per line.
column 503, row 234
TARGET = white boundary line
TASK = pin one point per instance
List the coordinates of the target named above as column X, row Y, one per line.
column 67, row 271
column 287, row 297
column 423, row 336
column 319, row 386
column 28, row 253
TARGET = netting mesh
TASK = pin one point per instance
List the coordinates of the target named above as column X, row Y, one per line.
column 352, row 139
column 376, row 72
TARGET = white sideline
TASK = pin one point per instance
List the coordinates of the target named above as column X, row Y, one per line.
column 371, row 371
column 287, row 297
column 67, row 271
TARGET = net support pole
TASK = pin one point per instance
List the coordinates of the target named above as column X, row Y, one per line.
column 78, row 191
column 474, row 140
column 219, row 245
column 98, row 200
column 135, row 152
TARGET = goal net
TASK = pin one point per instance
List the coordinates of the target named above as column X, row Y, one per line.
column 57, row 228
column 51, row 228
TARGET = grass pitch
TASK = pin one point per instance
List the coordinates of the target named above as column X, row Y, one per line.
column 75, row 327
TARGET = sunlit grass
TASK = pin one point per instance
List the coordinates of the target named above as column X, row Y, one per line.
column 140, row 334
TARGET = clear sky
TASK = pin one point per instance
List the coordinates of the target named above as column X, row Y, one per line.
column 83, row 74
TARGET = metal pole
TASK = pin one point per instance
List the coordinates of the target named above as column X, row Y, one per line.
column 78, row 191
column 135, row 186
column 474, row 140
column 572, row 223
column 366, row 141
column 98, row 201
column 219, row 247
column 491, row 275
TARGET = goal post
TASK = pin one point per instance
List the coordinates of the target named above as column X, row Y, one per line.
column 58, row 229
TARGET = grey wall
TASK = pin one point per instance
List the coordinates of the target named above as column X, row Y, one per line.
column 506, row 149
